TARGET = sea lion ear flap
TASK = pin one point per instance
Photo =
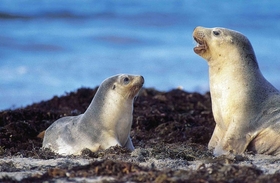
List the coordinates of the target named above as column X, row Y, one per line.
column 113, row 87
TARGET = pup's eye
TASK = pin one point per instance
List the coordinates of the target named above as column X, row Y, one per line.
column 216, row 33
column 126, row 80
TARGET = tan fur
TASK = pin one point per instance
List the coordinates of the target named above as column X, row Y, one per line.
column 246, row 107
column 41, row 134
column 106, row 122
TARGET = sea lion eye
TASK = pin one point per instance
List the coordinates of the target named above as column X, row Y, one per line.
column 216, row 33
column 126, row 80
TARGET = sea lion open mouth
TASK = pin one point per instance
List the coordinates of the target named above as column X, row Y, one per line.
column 247, row 116
column 200, row 47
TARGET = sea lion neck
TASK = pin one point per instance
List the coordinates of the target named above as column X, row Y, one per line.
column 244, row 103
column 110, row 106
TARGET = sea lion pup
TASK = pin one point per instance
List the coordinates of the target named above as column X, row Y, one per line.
column 246, row 107
column 106, row 122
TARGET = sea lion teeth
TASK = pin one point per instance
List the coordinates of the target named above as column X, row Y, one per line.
column 200, row 46
column 246, row 107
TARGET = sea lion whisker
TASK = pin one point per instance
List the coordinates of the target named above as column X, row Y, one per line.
column 106, row 122
column 244, row 104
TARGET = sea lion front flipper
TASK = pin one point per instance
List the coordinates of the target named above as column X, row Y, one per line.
column 217, row 135
column 129, row 144
column 233, row 143
column 41, row 134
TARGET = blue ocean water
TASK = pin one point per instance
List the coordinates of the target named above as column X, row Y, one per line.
column 49, row 47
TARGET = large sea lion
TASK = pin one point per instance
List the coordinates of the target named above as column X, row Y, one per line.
column 246, row 107
column 106, row 122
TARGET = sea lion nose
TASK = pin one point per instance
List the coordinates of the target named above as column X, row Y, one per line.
column 143, row 80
